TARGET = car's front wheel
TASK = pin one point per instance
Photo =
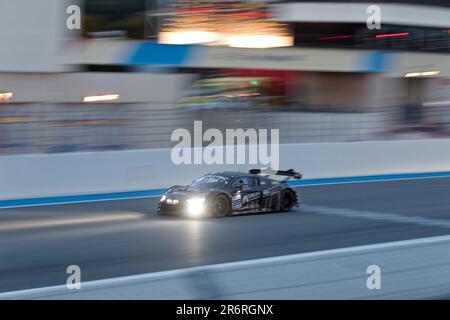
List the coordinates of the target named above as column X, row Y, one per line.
column 221, row 206
column 287, row 201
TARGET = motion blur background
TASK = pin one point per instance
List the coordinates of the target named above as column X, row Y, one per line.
column 87, row 115
column 312, row 69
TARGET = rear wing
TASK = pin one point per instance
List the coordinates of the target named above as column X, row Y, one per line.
column 288, row 173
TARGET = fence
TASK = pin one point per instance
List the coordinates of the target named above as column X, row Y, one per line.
column 47, row 128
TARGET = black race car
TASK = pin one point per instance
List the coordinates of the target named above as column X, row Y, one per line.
column 230, row 193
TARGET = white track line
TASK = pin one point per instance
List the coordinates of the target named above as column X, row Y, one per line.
column 377, row 216
column 92, row 285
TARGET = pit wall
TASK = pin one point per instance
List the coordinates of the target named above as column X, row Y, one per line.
column 149, row 171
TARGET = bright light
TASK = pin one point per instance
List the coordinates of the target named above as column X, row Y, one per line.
column 240, row 41
column 187, row 36
column 430, row 73
column 422, row 74
column 260, row 41
column 163, row 198
column 5, row 96
column 412, row 74
column 104, row 97
column 196, row 206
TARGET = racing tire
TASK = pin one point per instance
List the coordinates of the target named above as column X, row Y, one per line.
column 286, row 201
column 221, row 206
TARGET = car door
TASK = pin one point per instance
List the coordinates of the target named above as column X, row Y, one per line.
column 247, row 199
column 269, row 194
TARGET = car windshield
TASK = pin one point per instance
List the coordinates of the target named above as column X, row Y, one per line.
column 210, row 181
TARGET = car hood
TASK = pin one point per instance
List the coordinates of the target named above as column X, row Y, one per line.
column 184, row 192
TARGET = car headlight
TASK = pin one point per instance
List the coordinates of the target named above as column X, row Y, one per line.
column 163, row 198
column 196, row 206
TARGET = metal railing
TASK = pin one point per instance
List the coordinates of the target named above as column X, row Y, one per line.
column 47, row 128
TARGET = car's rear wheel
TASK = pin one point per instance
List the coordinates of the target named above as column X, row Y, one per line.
column 287, row 201
column 221, row 206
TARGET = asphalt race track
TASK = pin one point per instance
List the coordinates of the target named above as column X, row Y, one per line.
column 126, row 237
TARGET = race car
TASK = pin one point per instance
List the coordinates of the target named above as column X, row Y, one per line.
column 232, row 193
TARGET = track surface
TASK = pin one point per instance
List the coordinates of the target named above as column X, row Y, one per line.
column 126, row 237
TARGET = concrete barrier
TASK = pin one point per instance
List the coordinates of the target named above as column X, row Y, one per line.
column 69, row 174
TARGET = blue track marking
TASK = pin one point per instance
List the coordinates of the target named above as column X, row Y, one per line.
column 159, row 192
column 372, row 178
column 81, row 198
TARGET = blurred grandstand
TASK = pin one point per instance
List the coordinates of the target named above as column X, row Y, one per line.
column 326, row 76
